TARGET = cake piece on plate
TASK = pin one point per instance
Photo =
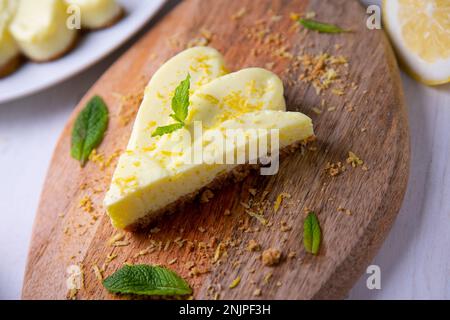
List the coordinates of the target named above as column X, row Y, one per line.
column 41, row 31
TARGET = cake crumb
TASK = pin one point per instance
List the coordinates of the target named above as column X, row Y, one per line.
column 259, row 217
column 253, row 246
column 239, row 14
column 201, row 229
column 220, row 250
column 206, row 196
column 97, row 272
column 322, row 71
column 271, row 257
column 196, row 272
column 350, row 108
column 257, row 292
column 190, row 265
column 86, row 204
column 346, row 211
column 334, row 169
column 115, row 238
column 203, row 39
column 340, row 92
column 310, row 15
column 75, row 281
column 72, row 294
column 155, row 230
column 285, row 227
column 267, row 277
column 317, row 110
column 121, row 243
column 354, row 160
column 294, row 16
column 110, row 257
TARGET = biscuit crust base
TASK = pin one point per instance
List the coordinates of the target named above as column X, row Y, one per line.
column 237, row 174
column 11, row 66
column 61, row 54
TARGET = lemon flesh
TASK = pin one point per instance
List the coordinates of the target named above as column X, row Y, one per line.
column 420, row 32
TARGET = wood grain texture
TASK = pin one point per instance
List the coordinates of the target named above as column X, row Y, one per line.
column 349, row 242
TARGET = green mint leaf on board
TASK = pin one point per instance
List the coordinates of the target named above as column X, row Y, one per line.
column 89, row 129
column 146, row 280
column 180, row 100
column 160, row 131
column 312, row 234
column 320, row 26
column 180, row 108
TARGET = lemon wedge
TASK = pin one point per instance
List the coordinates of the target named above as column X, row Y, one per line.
column 420, row 32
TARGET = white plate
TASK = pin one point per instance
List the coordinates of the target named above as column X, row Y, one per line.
column 32, row 77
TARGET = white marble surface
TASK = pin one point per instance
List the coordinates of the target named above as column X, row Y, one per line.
column 414, row 260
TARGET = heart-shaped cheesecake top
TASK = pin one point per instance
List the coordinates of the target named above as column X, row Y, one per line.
column 156, row 171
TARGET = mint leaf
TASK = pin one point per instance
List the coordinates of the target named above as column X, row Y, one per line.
column 180, row 107
column 89, row 129
column 180, row 100
column 146, row 280
column 160, row 131
column 320, row 26
column 311, row 234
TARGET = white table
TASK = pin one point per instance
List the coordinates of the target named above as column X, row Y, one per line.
column 414, row 260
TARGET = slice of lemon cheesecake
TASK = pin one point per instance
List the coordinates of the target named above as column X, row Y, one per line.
column 9, row 50
column 231, row 118
column 96, row 14
column 420, row 34
column 40, row 29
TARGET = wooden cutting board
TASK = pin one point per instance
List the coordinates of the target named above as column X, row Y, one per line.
column 362, row 111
